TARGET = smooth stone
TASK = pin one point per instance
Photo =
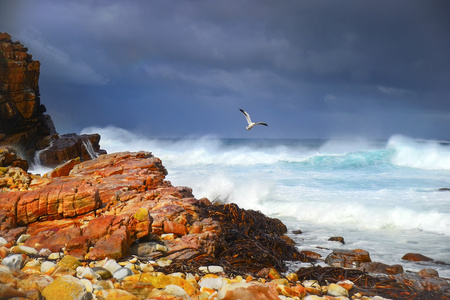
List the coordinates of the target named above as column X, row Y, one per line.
column 163, row 262
column 214, row 283
column 336, row 290
column 47, row 265
column 298, row 231
column 15, row 261
column 112, row 266
column 104, row 273
column 176, row 290
column 147, row 249
column 66, row 287
column 24, row 250
column 70, row 262
column 55, row 255
column 211, row 269
column 45, row 252
column 22, row 238
column 122, row 273
column 3, row 242
column 88, row 273
column 88, row 284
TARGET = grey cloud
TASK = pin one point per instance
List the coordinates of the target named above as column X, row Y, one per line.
column 329, row 62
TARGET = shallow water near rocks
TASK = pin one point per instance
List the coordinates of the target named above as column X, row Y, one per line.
column 381, row 196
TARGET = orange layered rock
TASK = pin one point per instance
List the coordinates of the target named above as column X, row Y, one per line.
column 103, row 205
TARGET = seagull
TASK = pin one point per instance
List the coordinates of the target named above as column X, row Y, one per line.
column 249, row 121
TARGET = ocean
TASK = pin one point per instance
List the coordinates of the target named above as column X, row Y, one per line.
column 379, row 195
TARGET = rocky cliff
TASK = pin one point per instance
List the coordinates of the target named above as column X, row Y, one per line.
column 23, row 122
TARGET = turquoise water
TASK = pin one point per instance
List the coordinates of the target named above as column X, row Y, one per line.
column 381, row 196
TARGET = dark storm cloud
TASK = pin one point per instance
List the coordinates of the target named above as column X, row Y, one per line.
column 316, row 67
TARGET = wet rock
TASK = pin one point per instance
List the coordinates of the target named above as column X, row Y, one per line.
column 339, row 239
column 421, row 284
column 428, row 273
column 377, row 267
column 66, row 147
column 416, row 257
column 347, row 258
column 297, row 231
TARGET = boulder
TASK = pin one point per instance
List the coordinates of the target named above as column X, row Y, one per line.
column 378, row 267
column 416, row 257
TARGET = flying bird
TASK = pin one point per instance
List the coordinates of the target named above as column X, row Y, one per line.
column 249, row 121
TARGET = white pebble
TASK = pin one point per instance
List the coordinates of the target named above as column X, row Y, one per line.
column 211, row 269
column 122, row 273
column 24, row 249
column 112, row 266
column 14, row 261
column 3, row 242
column 88, row 284
column 176, row 291
column 47, row 265
column 88, row 273
column 45, row 252
column 55, row 255
column 212, row 283
column 22, row 238
column 336, row 290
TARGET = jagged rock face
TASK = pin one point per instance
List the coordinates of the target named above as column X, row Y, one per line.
column 22, row 118
column 23, row 123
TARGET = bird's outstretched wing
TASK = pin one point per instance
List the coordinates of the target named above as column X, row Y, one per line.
column 261, row 123
column 247, row 116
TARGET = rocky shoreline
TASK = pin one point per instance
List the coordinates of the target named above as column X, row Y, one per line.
column 109, row 226
column 114, row 228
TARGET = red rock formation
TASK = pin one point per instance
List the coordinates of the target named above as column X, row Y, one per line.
column 105, row 204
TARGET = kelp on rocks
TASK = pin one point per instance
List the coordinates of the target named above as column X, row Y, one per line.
column 368, row 285
column 251, row 242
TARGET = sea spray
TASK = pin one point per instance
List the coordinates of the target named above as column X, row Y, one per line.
column 366, row 191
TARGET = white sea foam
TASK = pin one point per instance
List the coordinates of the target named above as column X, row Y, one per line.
column 423, row 154
column 373, row 192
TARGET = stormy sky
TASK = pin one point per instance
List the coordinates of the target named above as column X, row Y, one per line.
column 310, row 69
